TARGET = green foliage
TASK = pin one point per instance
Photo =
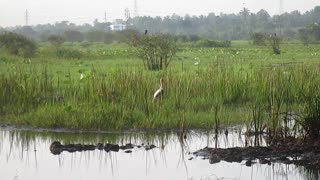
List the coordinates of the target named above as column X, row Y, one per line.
column 210, row 43
column 315, row 30
column 156, row 50
column 86, row 44
column 100, row 36
column 95, row 36
column 131, row 37
column 194, row 37
column 310, row 34
column 56, row 40
column 311, row 100
column 68, row 53
column 233, row 26
column 109, row 89
column 74, row 36
column 258, row 39
column 17, row 44
column 305, row 36
column 122, row 99
column 275, row 43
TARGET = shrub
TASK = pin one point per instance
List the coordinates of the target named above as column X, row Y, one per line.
column 210, row 43
column 56, row 40
column 100, row 36
column 74, row 36
column 68, row 53
column 310, row 34
column 275, row 43
column 131, row 37
column 156, row 51
column 17, row 44
column 258, row 39
column 194, row 37
column 305, row 36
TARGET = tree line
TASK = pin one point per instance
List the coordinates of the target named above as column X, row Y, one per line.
column 236, row 26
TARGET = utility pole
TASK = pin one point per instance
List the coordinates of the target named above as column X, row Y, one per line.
column 27, row 17
column 105, row 16
column 127, row 16
column 280, row 19
column 135, row 9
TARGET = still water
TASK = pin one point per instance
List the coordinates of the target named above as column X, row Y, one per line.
column 25, row 155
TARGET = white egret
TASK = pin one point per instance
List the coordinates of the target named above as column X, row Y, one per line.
column 159, row 92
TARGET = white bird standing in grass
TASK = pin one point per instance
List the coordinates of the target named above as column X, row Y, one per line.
column 82, row 76
column 197, row 62
column 159, row 92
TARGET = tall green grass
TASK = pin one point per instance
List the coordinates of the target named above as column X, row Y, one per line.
column 122, row 99
column 241, row 84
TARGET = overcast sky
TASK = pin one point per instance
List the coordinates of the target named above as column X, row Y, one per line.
column 12, row 12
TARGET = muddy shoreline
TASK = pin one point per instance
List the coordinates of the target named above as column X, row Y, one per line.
column 288, row 151
column 57, row 148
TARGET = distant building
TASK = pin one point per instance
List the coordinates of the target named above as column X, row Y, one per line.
column 117, row 27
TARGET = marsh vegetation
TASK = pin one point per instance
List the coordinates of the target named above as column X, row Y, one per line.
column 106, row 87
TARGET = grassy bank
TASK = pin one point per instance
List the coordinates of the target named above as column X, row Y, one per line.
column 235, row 85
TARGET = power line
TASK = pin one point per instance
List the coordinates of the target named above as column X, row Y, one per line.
column 27, row 17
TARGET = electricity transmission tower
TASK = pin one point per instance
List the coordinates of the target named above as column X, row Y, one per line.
column 27, row 17
column 135, row 8
column 280, row 19
column 127, row 16
column 105, row 17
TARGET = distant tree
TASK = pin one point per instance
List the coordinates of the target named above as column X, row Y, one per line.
column 194, row 37
column 211, row 26
column 63, row 25
column 157, row 51
column 263, row 15
column 315, row 30
column 305, row 36
column 103, row 26
column 245, row 15
column 310, row 34
column 95, row 36
column 315, row 14
column 74, row 36
column 44, row 36
column 181, row 38
column 264, row 20
column 258, row 38
column 17, row 44
column 131, row 37
column 289, row 33
column 28, row 32
column 108, row 38
column 56, row 40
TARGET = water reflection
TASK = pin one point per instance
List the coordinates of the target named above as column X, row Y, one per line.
column 26, row 155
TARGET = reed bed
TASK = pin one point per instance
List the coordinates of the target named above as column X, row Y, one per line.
column 122, row 99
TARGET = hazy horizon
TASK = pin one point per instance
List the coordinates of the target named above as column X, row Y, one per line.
column 12, row 12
